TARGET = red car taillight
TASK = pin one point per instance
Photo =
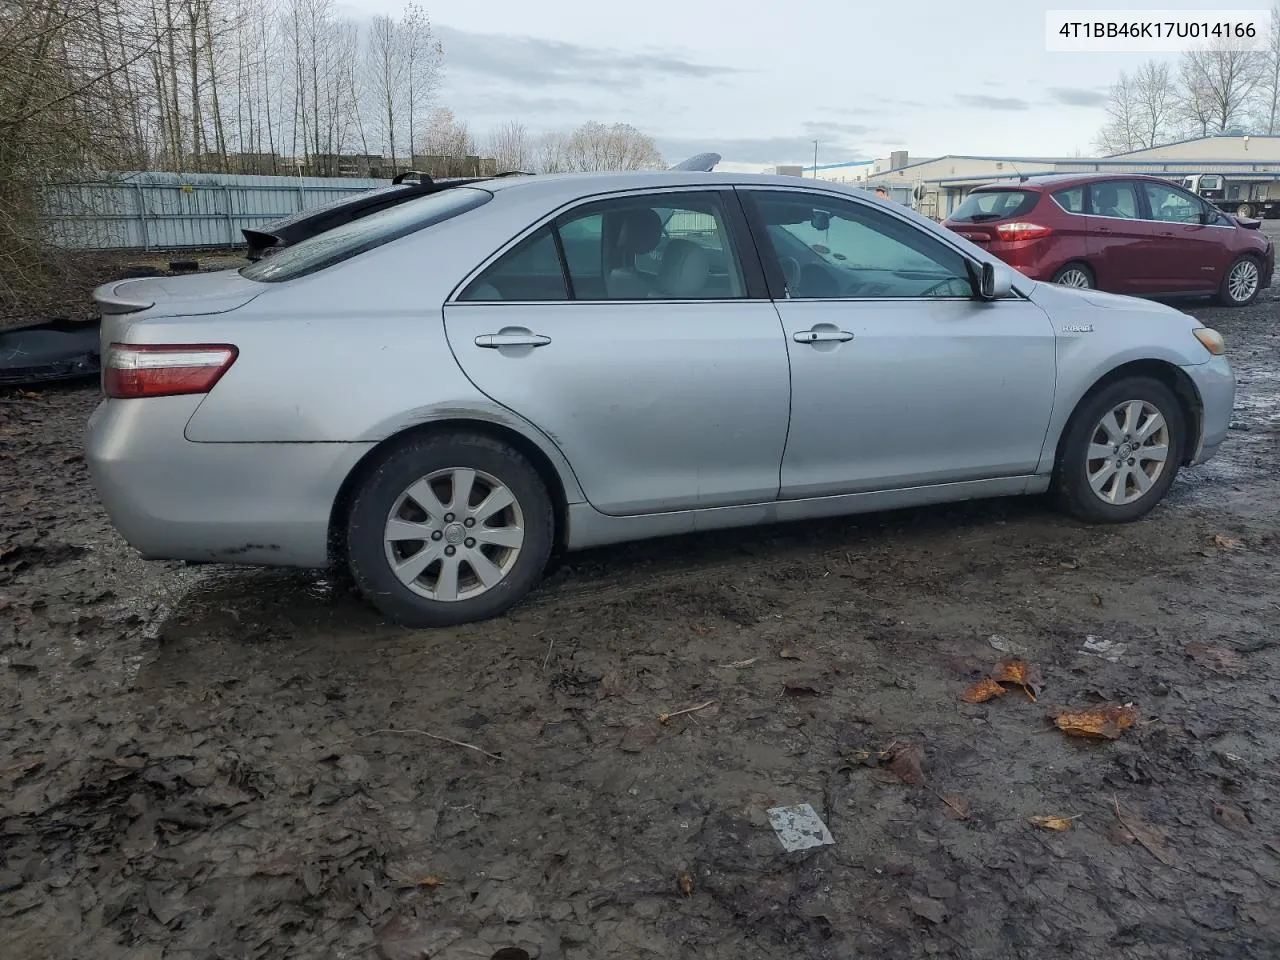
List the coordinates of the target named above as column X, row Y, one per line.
column 132, row 370
column 1022, row 231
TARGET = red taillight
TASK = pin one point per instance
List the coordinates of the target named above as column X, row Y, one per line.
column 1022, row 231
column 132, row 370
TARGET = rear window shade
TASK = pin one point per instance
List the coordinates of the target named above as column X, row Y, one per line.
column 986, row 205
column 359, row 236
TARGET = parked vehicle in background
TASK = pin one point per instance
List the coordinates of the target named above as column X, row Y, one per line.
column 1120, row 233
column 1246, row 196
column 442, row 393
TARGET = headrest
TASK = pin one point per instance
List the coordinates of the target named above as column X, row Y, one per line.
column 639, row 230
column 684, row 270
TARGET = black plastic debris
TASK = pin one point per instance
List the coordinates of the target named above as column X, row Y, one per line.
column 49, row 352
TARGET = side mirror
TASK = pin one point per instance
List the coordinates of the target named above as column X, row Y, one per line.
column 993, row 283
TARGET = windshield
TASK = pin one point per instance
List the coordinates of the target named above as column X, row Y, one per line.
column 359, row 236
column 995, row 205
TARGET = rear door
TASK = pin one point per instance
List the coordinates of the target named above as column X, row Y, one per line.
column 637, row 334
column 1119, row 242
column 1188, row 249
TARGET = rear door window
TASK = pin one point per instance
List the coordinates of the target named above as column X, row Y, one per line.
column 984, row 205
column 1117, row 199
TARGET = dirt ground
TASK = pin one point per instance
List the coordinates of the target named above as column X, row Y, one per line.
column 215, row 762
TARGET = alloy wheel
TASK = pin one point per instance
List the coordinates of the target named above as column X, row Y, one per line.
column 454, row 534
column 1075, row 277
column 1128, row 451
column 1242, row 282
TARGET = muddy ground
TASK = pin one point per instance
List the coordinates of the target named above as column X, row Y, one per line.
column 209, row 762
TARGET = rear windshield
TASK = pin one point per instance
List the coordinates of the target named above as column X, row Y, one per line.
column 359, row 236
column 995, row 205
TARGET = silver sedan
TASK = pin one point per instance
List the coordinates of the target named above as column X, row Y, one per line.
column 442, row 394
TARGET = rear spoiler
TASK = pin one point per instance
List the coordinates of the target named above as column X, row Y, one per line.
column 111, row 301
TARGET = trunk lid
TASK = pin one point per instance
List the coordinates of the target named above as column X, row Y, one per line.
column 123, row 303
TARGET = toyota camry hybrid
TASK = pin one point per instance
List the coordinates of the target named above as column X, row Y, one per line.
column 442, row 394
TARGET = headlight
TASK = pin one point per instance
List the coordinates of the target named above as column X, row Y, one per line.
column 1211, row 340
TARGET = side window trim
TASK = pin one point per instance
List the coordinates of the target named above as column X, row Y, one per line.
column 773, row 272
column 736, row 222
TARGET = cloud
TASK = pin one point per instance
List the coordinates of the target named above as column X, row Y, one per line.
column 984, row 102
column 535, row 60
column 762, row 150
column 499, row 102
column 1077, row 96
column 821, row 129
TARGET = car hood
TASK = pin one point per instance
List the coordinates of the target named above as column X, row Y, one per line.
column 1053, row 296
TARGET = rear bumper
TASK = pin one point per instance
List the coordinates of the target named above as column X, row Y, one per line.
column 1216, row 385
column 249, row 503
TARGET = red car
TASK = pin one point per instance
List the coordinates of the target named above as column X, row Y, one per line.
column 1120, row 233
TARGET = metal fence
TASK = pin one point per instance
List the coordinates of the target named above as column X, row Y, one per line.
column 172, row 211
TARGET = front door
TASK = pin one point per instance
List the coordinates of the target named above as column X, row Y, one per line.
column 634, row 333
column 899, row 377
column 1186, row 245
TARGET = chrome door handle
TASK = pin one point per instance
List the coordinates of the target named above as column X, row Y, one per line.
column 494, row 340
column 819, row 336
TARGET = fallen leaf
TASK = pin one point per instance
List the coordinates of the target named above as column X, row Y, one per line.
column 740, row 664
column 685, row 883
column 610, row 686
column 1017, row 671
column 907, row 762
column 1218, row 658
column 1226, row 543
column 1151, row 839
column 1233, row 818
column 982, row 691
column 1052, row 823
column 788, row 653
column 957, row 807
column 421, row 882
column 935, row 911
column 1107, row 724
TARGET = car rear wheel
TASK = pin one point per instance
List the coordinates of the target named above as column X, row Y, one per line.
column 1241, row 284
column 449, row 529
column 1075, row 275
column 1121, row 452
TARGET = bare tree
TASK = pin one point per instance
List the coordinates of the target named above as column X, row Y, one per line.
column 447, row 136
column 422, row 56
column 594, row 146
column 1155, row 103
column 551, row 155
column 1267, row 94
column 510, row 148
column 386, row 72
column 1120, row 134
column 1219, row 84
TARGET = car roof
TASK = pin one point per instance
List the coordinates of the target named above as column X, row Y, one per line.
column 1056, row 181
column 585, row 184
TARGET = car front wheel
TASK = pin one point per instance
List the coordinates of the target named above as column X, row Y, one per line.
column 1121, row 452
column 1241, row 284
column 449, row 529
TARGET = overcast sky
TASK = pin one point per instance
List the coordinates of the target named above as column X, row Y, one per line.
column 927, row 76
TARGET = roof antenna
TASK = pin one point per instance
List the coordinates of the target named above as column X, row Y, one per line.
column 1022, row 177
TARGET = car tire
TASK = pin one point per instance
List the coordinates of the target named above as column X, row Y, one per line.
column 1079, row 273
column 1242, row 282
column 1244, row 210
column 462, row 575
column 1105, row 489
